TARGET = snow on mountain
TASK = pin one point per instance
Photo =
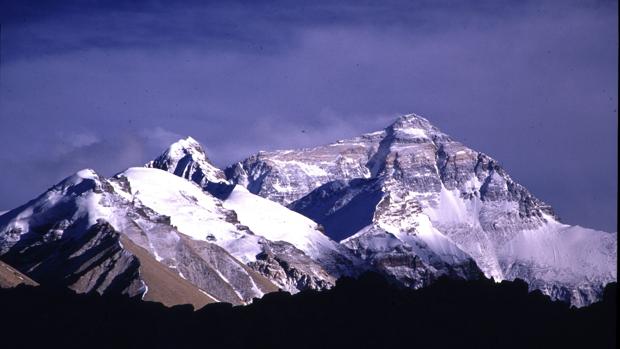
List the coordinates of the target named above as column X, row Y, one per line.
column 407, row 201
column 403, row 243
column 285, row 176
column 270, row 221
column 191, row 211
column 412, row 191
column 203, row 217
column 72, row 234
column 277, row 223
column 168, row 218
column 186, row 158
column 578, row 261
column 54, row 239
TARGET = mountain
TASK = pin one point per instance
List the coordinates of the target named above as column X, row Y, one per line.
column 90, row 234
column 407, row 202
column 416, row 204
column 148, row 233
column 292, row 239
column 186, row 158
column 286, row 176
column 277, row 223
column 203, row 217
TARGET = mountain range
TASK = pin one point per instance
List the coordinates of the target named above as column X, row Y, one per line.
column 408, row 202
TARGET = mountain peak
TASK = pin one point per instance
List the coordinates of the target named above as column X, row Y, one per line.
column 414, row 126
column 186, row 158
column 189, row 140
column 412, row 121
column 187, row 145
column 86, row 175
column 411, row 116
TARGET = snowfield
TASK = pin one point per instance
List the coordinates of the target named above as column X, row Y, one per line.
column 277, row 223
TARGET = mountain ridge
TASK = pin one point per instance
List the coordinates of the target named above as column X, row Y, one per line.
column 408, row 202
column 460, row 194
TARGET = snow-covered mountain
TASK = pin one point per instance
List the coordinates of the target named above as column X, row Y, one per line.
column 95, row 234
column 407, row 201
column 242, row 231
column 317, row 260
column 186, row 158
column 415, row 204
column 146, row 232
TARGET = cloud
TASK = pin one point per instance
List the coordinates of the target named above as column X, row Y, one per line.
column 107, row 154
column 159, row 137
column 69, row 142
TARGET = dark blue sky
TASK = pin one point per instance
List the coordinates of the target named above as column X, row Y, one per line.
column 108, row 85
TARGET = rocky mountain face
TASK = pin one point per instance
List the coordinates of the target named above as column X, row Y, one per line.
column 91, row 262
column 148, row 233
column 11, row 277
column 73, row 235
column 285, row 176
column 186, row 158
column 416, row 204
column 407, row 201
column 286, row 247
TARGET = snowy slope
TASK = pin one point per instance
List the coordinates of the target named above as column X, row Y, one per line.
column 86, row 214
column 416, row 186
column 270, row 221
column 402, row 242
column 567, row 262
column 277, row 223
column 203, row 217
column 192, row 211
column 408, row 201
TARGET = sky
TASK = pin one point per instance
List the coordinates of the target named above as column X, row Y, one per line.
column 110, row 84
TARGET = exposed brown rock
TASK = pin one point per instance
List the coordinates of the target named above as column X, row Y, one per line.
column 10, row 277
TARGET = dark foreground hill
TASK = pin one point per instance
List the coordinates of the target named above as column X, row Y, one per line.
column 363, row 313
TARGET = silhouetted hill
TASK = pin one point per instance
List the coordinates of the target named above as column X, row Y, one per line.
column 364, row 313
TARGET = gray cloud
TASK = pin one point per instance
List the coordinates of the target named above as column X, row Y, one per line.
column 533, row 84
